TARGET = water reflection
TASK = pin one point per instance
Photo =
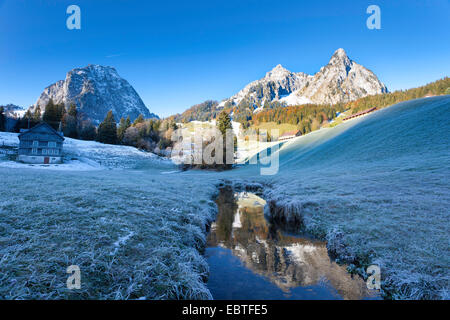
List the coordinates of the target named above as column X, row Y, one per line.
column 284, row 261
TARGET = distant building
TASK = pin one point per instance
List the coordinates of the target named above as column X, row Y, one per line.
column 289, row 135
column 41, row 144
column 359, row 114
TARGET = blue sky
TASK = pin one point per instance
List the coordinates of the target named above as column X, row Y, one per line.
column 179, row 53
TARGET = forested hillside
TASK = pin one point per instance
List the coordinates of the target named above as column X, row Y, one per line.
column 204, row 111
column 380, row 101
column 308, row 117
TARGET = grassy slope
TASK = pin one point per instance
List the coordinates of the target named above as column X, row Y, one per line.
column 283, row 127
column 191, row 126
column 378, row 192
column 50, row 220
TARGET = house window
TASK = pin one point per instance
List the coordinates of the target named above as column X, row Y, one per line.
column 52, row 144
column 50, row 151
column 44, row 151
column 34, row 150
column 35, row 144
column 56, row 151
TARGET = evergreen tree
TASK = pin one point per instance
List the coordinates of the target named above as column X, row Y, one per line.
column 70, row 125
column 2, row 119
column 60, row 112
column 26, row 122
column 22, row 123
column 121, row 129
column 107, row 130
column 53, row 114
column 223, row 124
column 28, row 119
column 37, row 115
column 49, row 112
column 139, row 119
column 123, row 126
column 73, row 111
column 87, row 130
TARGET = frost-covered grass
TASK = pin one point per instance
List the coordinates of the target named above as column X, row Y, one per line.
column 82, row 155
column 111, row 156
column 376, row 188
column 133, row 234
column 404, row 231
column 9, row 139
column 379, row 192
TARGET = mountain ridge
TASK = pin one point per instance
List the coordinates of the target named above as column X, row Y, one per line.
column 341, row 80
column 95, row 90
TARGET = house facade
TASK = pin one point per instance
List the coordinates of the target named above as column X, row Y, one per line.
column 41, row 145
column 289, row 135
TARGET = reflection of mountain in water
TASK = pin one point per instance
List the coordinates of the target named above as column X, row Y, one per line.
column 287, row 261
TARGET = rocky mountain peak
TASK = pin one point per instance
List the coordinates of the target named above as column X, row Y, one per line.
column 340, row 53
column 340, row 59
column 341, row 80
column 278, row 73
column 95, row 90
column 278, row 69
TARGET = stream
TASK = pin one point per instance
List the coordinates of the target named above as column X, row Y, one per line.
column 251, row 258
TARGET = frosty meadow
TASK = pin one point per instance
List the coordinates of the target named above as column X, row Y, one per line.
column 237, row 150
column 138, row 230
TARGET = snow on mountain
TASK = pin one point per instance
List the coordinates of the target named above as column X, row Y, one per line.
column 13, row 111
column 278, row 83
column 95, row 90
column 341, row 80
column 295, row 99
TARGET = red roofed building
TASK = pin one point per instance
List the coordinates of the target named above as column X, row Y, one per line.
column 359, row 114
column 289, row 135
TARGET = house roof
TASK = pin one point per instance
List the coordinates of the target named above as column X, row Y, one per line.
column 46, row 126
column 289, row 133
column 360, row 113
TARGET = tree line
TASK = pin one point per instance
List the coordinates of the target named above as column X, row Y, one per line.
column 153, row 134
column 148, row 134
column 224, row 126
column 380, row 101
column 307, row 117
column 204, row 111
column 311, row 117
column 72, row 123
